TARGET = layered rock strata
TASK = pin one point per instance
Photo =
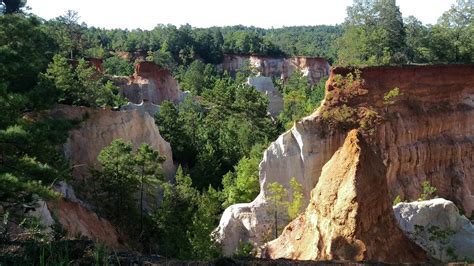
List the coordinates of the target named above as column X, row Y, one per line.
column 149, row 84
column 426, row 133
column 100, row 127
column 347, row 219
column 314, row 68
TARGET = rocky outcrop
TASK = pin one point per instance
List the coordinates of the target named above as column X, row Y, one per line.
column 143, row 107
column 149, row 84
column 438, row 228
column 265, row 86
column 100, row 127
column 427, row 133
column 314, row 68
column 77, row 220
column 347, row 219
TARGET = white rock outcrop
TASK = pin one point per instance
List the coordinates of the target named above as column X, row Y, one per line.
column 143, row 107
column 265, row 86
column 100, row 127
column 299, row 153
column 438, row 228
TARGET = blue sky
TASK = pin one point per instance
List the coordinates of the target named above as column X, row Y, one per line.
column 146, row 14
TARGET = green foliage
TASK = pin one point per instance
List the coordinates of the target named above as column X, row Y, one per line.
column 123, row 173
column 296, row 204
column 374, row 34
column 25, row 50
column 242, row 185
column 118, row 66
column 30, row 162
column 397, row 200
column 341, row 117
column 452, row 37
column 277, row 199
column 185, row 220
column 428, row 191
column 196, row 77
column 67, row 34
column 204, row 221
column 299, row 98
column 11, row 106
column 81, row 85
column 369, row 121
column 391, row 96
column 162, row 58
column 174, row 215
column 12, row 6
column 244, row 250
column 209, row 137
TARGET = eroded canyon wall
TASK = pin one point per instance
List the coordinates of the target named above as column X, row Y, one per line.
column 314, row 68
column 426, row 133
column 149, row 84
column 100, row 127
column 346, row 218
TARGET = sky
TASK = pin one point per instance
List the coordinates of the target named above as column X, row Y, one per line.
column 146, row 14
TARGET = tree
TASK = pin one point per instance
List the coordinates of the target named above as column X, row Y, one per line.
column 25, row 51
column 277, row 199
column 124, row 173
column 204, row 221
column 150, row 173
column 12, row 6
column 30, row 162
column 299, row 98
column 81, row 85
column 242, row 185
column 117, row 181
column 162, row 58
column 174, row 216
column 452, row 37
column 68, row 32
column 417, row 41
column 296, row 203
column 374, row 34
column 197, row 77
column 118, row 66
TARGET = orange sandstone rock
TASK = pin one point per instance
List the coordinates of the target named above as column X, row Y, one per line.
column 349, row 216
column 149, row 83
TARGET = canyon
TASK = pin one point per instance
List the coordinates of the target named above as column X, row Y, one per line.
column 424, row 134
column 97, row 128
column 149, row 83
column 315, row 68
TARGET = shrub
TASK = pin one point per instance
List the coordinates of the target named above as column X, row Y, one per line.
column 369, row 121
column 244, row 250
column 428, row 191
column 391, row 96
column 397, row 200
column 118, row 66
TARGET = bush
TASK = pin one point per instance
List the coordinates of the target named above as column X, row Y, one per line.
column 391, row 96
column 118, row 66
column 428, row 191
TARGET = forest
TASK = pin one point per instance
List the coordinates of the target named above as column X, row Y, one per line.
column 217, row 134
